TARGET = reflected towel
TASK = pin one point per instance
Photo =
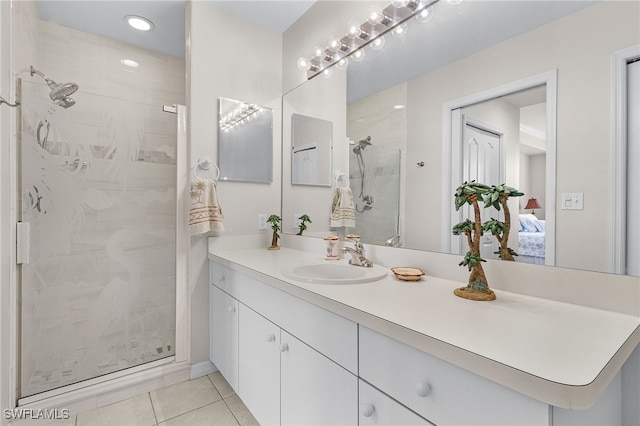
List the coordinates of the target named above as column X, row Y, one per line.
column 205, row 214
column 343, row 212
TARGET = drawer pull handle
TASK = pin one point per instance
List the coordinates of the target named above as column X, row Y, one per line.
column 271, row 338
column 284, row 347
column 367, row 410
column 423, row 389
column 231, row 309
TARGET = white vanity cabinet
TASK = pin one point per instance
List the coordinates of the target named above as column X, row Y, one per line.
column 259, row 366
column 376, row 408
column 291, row 356
column 441, row 392
column 223, row 346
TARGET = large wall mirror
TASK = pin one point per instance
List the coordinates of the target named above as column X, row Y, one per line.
column 245, row 135
column 506, row 92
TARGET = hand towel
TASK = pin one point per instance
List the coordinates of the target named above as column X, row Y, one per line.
column 343, row 211
column 205, row 214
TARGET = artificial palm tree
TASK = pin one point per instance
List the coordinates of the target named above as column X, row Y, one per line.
column 304, row 219
column 478, row 287
column 498, row 196
column 274, row 220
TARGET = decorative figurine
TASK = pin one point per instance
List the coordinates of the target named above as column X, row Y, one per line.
column 478, row 287
column 304, row 219
column 274, row 220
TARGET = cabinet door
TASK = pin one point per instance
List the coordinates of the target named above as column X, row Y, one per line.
column 377, row 408
column 314, row 390
column 224, row 334
column 259, row 372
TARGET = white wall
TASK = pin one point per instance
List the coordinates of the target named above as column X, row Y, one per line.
column 232, row 58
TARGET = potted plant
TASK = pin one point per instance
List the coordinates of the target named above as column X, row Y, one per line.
column 304, row 219
column 498, row 196
column 274, row 220
column 478, row 287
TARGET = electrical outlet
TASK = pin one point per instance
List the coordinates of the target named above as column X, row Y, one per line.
column 262, row 221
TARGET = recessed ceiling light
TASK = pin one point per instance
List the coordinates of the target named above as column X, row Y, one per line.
column 139, row 23
column 130, row 63
column 399, row 106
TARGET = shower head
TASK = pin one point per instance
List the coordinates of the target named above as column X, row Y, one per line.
column 59, row 92
column 362, row 144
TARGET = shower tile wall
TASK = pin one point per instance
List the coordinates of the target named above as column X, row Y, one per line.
column 99, row 292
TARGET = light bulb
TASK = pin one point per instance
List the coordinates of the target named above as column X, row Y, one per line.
column 334, row 44
column 304, row 63
column 425, row 15
column 400, row 31
column 454, row 2
column 378, row 43
column 353, row 30
column 375, row 15
column 399, row 3
column 327, row 72
column 342, row 64
column 317, row 52
column 358, row 55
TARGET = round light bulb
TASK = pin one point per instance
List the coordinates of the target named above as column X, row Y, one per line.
column 327, row 72
column 317, row 52
column 454, row 2
column 358, row 55
column 377, row 43
column 304, row 63
column 375, row 15
column 342, row 64
column 400, row 31
column 334, row 44
column 353, row 29
column 425, row 15
column 399, row 3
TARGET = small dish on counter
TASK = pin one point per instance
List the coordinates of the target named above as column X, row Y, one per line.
column 406, row 273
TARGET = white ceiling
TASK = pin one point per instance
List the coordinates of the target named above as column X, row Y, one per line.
column 106, row 18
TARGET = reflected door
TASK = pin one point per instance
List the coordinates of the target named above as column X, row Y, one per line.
column 481, row 162
column 98, row 192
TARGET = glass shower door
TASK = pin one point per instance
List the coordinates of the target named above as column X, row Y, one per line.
column 98, row 192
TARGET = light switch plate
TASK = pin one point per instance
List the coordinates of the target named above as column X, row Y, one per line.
column 572, row 201
column 262, row 221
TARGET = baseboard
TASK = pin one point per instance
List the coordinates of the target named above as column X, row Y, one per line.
column 202, row 369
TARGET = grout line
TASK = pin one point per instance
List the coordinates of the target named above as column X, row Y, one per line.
column 231, row 411
column 152, row 407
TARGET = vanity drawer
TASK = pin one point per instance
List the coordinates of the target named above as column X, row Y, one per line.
column 441, row 392
column 377, row 408
column 332, row 335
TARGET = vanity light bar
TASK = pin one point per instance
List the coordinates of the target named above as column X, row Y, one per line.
column 240, row 115
column 379, row 22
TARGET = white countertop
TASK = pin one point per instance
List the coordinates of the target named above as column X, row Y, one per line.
column 559, row 353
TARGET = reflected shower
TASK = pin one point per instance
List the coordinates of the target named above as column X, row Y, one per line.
column 59, row 92
column 366, row 198
column 362, row 144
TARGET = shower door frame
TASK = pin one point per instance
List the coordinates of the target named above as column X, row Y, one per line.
column 163, row 371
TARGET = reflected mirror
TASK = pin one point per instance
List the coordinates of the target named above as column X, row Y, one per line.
column 310, row 150
column 245, row 141
column 423, row 96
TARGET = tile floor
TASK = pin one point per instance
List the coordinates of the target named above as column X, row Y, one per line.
column 205, row 401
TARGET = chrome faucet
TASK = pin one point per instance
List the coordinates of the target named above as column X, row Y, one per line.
column 357, row 255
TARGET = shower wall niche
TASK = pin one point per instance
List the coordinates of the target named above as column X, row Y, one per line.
column 98, row 189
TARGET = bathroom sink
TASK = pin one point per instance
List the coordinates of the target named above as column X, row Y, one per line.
column 334, row 273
